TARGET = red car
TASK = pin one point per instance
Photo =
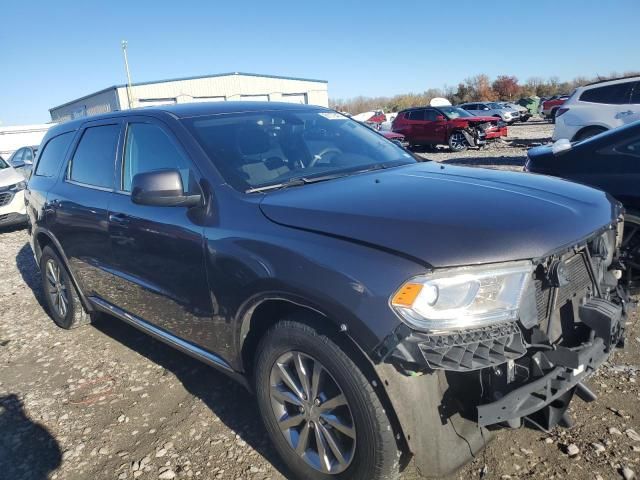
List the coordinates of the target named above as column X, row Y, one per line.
column 550, row 107
column 447, row 125
column 397, row 138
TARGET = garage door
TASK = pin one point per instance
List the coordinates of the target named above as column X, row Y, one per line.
column 154, row 102
column 300, row 98
column 254, row 98
column 209, row 99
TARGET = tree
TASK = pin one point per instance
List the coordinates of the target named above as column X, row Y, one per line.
column 506, row 86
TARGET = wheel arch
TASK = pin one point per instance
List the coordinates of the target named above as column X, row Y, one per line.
column 598, row 128
column 270, row 310
column 43, row 238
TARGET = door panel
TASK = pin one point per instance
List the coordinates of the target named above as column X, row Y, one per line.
column 77, row 211
column 158, row 252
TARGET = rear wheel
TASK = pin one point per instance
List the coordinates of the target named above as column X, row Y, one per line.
column 319, row 409
column 588, row 133
column 60, row 294
column 458, row 142
column 631, row 251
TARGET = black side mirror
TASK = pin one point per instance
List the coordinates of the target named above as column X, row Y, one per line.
column 161, row 188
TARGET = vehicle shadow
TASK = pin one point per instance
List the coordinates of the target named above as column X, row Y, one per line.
column 27, row 449
column 228, row 400
column 30, row 272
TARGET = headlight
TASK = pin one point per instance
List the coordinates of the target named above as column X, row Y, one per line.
column 18, row 186
column 463, row 297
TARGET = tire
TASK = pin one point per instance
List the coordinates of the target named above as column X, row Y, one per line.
column 369, row 451
column 588, row 133
column 458, row 142
column 58, row 289
column 631, row 251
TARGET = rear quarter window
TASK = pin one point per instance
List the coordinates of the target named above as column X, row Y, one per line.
column 53, row 155
column 618, row 94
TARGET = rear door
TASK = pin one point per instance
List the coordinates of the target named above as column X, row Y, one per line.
column 78, row 205
column 416, row 127
column 158, row 252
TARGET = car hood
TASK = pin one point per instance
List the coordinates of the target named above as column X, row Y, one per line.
column 8, row 176
column 446, row 216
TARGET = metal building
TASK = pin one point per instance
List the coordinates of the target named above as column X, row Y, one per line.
column 206, row 88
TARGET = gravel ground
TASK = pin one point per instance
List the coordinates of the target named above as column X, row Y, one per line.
column 106, row 401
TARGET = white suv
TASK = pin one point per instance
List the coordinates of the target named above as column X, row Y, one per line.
column 12, row 185
column 597, row 107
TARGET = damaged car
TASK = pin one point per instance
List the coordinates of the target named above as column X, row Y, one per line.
column 381, row 309
column 447, row 125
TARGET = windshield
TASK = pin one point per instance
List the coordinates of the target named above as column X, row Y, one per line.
column 258, row 149
column 455, row 112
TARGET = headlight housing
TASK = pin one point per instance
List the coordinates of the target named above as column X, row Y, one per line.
column 18, row 186
column 463, row 297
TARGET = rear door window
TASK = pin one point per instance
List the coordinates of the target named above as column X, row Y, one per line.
column 93, row 162
column 53, row 155
column 618, row 94
column 430, row 115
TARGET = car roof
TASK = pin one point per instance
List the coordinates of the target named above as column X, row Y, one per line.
column 613, row 80
column 187, row 110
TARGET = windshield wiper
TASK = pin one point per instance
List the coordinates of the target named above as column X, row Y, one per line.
column 299, row 181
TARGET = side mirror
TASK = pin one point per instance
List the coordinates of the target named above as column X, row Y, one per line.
column 486, row 108
column 17, row 164
column 440, row 118
column 161, row 188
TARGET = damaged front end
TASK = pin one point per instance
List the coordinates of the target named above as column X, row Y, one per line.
column 571, row 315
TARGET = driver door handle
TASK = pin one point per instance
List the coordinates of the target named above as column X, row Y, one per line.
column 119, row 218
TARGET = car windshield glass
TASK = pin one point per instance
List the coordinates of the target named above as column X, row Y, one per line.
column 3, row 164
column 455, row 112
column 259, row 149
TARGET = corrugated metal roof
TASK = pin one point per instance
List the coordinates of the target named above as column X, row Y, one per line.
column 113, row 87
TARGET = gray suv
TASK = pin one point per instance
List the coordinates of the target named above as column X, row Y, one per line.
column 492, row 109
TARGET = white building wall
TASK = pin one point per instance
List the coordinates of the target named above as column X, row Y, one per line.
column 231, row 87
column 206, row 89
column 14, row 137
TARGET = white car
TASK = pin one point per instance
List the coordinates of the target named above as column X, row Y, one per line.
column 598, row 107
column 12, row 185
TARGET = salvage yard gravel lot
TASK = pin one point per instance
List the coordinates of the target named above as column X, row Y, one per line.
column 108, row 402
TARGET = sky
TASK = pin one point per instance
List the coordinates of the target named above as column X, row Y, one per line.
column 55, row 51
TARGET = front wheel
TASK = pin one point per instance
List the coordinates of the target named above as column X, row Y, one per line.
column 458, row 142
column 320, row 410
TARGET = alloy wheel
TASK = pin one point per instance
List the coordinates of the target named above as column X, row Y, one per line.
column 458, row 141
column 312, row 412
column 56, row 290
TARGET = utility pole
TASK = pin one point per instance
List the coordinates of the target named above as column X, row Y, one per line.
column 126, row 66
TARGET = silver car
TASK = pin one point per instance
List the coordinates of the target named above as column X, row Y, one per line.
column 492, row 109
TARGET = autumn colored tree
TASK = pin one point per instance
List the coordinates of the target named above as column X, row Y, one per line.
column 506, row 87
